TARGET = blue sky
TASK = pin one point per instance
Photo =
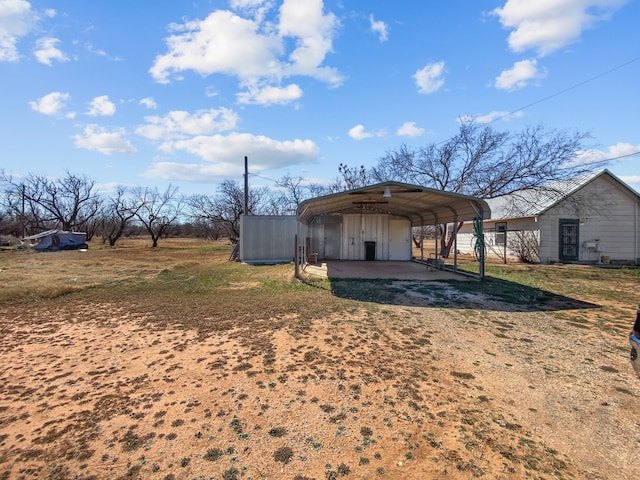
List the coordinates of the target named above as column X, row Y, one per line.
column 154, row 93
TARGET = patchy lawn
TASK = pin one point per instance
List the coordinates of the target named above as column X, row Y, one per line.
column 175, row 363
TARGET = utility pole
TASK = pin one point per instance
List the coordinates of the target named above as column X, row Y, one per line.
column 246, row 185
column 22, row 218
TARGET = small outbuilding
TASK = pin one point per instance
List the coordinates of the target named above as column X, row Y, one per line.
column 371, row 223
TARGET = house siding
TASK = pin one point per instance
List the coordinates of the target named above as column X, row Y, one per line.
column 516, row 226
column 608, row 225
column 608, row 217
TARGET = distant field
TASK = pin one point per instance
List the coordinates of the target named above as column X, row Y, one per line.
column 176, row 363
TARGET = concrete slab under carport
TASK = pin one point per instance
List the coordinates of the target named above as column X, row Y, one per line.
column 405, row 270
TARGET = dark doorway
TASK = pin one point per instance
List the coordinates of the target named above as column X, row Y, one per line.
column 569, row 238
column 369, row 250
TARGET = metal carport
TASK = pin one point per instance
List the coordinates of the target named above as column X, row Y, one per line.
column 422, row 206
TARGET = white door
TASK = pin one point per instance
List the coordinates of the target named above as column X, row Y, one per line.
column 399, row 240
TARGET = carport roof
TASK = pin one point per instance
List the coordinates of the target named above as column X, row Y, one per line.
column 421, row 205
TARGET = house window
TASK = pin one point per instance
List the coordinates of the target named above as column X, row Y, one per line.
column 501, row 233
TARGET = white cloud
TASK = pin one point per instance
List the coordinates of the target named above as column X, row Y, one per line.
column 359, row 133
column 620, row 149
column 410, row 129
column 178, row 124
column 99, row 139
column 270, row 95
column 256, row 51
column 264, row 153
column 51, row 104
column 546, row 26
column 246, row 4
column 101, row 106
column 198, row 134
column 313, row 31
column 491, row 117
column 380, row 28
column 47, row 50
column 519, row 76
column 16, row 20
column 192, row 172
column 429, row 78
column 632, row 180
column 256, row 8
column 149, row 102
column 221, row 43
column 95, row 51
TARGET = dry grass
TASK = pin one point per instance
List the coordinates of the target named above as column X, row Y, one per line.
column 175, row 363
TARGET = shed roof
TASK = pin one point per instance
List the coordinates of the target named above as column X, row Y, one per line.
column 421, row 205
column 536, row 201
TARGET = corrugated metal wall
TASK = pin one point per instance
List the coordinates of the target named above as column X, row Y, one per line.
column 267, row 238
column 358, row 229
column 271, row 239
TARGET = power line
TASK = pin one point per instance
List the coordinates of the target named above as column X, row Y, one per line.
column 568, row 89
column 622, row 156
column 607, row 160
column 544, row 99
column 264, row 178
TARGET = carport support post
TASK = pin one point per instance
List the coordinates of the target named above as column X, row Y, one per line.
column 481, row 265
column 297, row 268
column 455, row 242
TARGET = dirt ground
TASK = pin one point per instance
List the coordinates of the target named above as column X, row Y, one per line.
column 411, row 390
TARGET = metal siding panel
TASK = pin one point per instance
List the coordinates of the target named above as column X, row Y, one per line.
column 353, row 248
column 265, row 238
column 376, row 229
column 332, row 238
column 316, row 233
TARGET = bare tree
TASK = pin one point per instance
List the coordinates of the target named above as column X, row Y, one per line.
column 68, row 203
column 482, row 162
column 10, row 221
column 156, row 210
column 226, row 207
column 291, row 192
column 350, row 178
column 120, row 210
column 19, row 207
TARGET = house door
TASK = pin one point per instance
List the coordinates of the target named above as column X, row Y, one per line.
column 569, row 230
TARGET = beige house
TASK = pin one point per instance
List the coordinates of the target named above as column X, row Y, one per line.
column 593, row 218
